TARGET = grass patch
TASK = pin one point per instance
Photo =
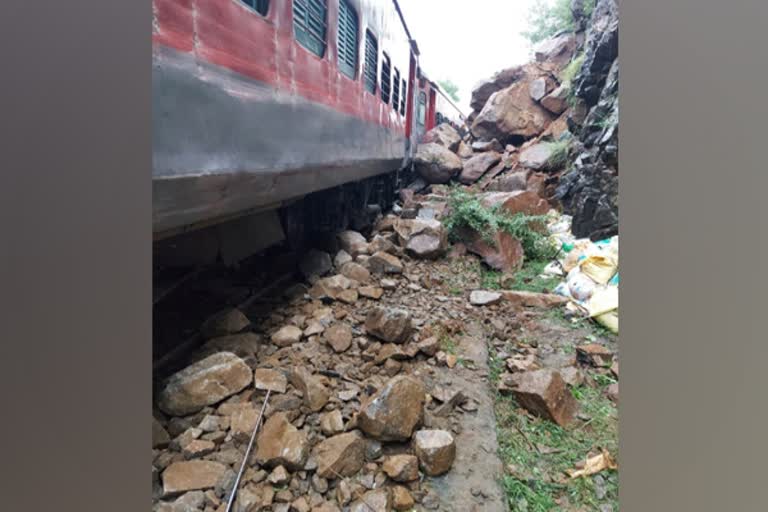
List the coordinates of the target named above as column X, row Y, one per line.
column 559, row 154
column 530, row 279
column 538, row 482
column 569, row 72
column 466, row 211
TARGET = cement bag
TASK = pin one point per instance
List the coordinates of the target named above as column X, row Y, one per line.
column 609, row 320
column 580, row 285
column 580, row 247
column 604, row 300
column 599, row 267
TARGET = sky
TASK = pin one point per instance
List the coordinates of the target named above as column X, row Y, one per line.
column 467, row 40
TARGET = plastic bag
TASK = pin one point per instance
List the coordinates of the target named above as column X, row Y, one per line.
column 603, row 300
column 609, row 320
column 553, row 269
column 580, row 248
column 599, row 267
column 580, row 285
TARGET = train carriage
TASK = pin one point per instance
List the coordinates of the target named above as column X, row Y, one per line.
column 271, row 116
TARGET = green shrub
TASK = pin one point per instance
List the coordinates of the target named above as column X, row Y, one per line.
column 569, row 72
column 466, row 211
column 547, row 18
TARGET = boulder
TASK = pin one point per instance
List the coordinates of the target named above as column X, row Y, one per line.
column 160, row 437
column 510, row 182
column 244, row 345
column 371, row 292
column 339, row 337
column 266, row 379
column 316, row 395
column 223, row 323
column 538, row 156
column 511, row 113
column 519, row 298
column 389, row 324
column 286, row 336
column 422, row 238
column 341, row 258
column 377, row 500
column 330, row 287
column 435, row 163
column 393, row 412
column 526, row 202
column 558, row 50
column 445, row 135
column 540, row 87
column 243, row 421
column 352, row 242
column 475, row 167
column 382, row 244
column 482, row 146
column 343, row 454
column 315, row 263
column 385, row 263
column 402, row 499
column 204, row 383
column 191, row 475
column 595, row 355
column 332, row 423
column 484, row 298
column 464, row 150
column 544, row 393
column 402, row 468
column 356, row 272
column 501, row 80
column 502, row 252
column 557, row 100
column 436, row 450
column 280, row 443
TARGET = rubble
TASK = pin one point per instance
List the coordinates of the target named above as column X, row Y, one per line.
column 389, row 324
column 204, row 383
column 315, row 394
column 436, row 164
column 544, row 393
column 353, row 243
column 393, row 412
column 191, row 475
column 385, row 263
column 339, row 337
column 475, row 167
column 287, row 336
column 340, row 455
column 279, row 443
column 265, row 379
column 315, row 264
column 484, row 298
column 436, row 450
column 402, row 468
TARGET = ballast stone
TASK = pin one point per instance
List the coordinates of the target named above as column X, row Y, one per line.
column 203, row 383
column 392, row 413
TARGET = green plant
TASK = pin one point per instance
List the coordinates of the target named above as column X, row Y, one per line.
column 569, row 72
column 547, row 18
column 466, row 211
column 450, row 88
column 559, row 156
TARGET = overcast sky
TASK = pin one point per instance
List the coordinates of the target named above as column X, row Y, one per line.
column 466, row 41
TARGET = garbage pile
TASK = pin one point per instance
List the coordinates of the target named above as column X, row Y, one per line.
column 591, row 272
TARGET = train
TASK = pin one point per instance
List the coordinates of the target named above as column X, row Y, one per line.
column 273, row 119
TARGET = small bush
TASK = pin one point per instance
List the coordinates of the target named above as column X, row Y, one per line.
column 569, row 72
column 466, row 211
column 559, row 154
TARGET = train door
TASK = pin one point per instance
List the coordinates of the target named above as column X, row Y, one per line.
column 431, row 108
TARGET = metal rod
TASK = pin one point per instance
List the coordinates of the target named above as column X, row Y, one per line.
column 247, row 455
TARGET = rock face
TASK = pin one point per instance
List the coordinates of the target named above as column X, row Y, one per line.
column 436, row 450
column 475, row 167
column 436, row 163
column 343, row 455
column 544, row 393
column 193, row 475
column 445, row 135
column 511, row 112
column 393, row 412
column 204, row 383
column 589, row 188
column 280, row 443
column 389, row 324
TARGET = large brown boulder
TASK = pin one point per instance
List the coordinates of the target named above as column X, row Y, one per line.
column 281, row 444
column 204, row 383
column 499, row 81
column 519, row 201
column 445, row 135
column 511, row 112
column 538, row 156
column 475, row 167
column 422, row 238
column 501, row 252
column 340, row 455
column 436, row 163
column 545, row 393
column 393, row 412
column 389, row 324
column 557, row 51
column 192, row 475
column 557, row 100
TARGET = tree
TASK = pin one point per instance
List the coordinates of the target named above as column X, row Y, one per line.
column 450, row 88
column 547, row 18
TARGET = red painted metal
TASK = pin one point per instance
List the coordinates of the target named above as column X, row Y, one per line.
column 431, row 107
column 228, row 34
column 411, row 92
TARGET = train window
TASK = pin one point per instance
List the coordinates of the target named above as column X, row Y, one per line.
column 386, row 78
column 348, row 28
column 371, row 61
column 260, row 6
column 310, row 24
column 396, row 90
column 403, row 97
column 422, row 113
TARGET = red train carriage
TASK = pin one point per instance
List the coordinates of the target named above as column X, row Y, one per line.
column 299, row 107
